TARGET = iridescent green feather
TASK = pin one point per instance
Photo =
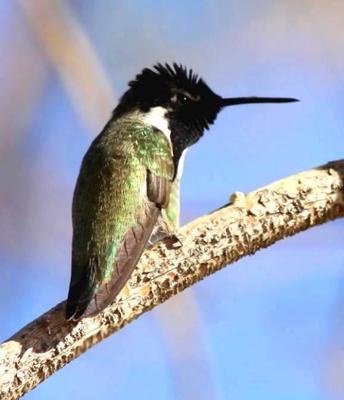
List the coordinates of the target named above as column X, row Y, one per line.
column 173, row 210
column 110, row 192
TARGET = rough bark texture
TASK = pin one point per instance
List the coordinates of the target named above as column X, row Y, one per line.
column 249, row 223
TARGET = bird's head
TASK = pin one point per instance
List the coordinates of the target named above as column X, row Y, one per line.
column 183, row 99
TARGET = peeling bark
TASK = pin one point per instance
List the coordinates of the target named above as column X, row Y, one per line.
column 249, row 223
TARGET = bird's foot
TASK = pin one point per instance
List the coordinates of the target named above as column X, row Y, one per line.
column 172, row 240
column 175, row 241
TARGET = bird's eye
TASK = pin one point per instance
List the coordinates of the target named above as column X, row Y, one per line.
column 183, row 98
column 180, row 98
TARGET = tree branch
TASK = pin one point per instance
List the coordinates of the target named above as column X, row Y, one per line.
column 248, row 224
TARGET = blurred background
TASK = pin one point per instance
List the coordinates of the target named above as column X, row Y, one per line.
column 269, row 327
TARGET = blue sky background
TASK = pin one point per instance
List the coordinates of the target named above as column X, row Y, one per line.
column 269, row 327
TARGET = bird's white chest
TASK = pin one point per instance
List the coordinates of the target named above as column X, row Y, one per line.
column 181, row 165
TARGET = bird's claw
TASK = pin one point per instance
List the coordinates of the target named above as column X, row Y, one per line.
column 175, row 241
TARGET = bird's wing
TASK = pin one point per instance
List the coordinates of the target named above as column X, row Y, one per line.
column 101, row 267
column 133, row 244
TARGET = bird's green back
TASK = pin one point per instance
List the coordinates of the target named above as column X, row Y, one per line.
column 110, row 191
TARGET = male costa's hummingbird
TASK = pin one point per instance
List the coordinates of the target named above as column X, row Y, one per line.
column 127, row 193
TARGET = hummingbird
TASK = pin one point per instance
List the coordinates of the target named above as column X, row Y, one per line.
column 127, row 193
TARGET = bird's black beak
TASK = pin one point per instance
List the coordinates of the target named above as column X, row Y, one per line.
column 233, row 101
